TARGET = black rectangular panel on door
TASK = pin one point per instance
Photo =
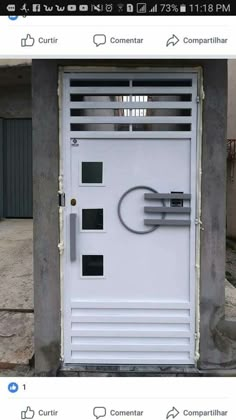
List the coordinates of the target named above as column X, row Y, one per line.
column 17, row 168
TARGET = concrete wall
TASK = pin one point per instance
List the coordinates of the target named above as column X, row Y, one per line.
column 9, row 62
column 217, row 343
column 231, row 169
column 15, row 102
column 15, row 92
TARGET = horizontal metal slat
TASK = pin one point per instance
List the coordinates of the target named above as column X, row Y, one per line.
column 119, row 90
column 114, row 332
column 131, row 319
column 130, row 120
column 151, row 75
column 164, row 358
column 130, row 312
column 130, row 341
column 130, row 105
column 182, row 210
column 158, row 341
column 90, row 304
column 160, row 196
column 169, row 135
column 164, row 222
column 136, row 347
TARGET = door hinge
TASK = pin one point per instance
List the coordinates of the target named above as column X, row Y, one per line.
column 61, row 247
column 61, row 199
column 197, row 339
column 201, row 96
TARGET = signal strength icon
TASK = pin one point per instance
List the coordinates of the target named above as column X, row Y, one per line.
column 154, row 9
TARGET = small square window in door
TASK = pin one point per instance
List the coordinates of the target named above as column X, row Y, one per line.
column 92, row 265
column 92, row 172
column 92, row 219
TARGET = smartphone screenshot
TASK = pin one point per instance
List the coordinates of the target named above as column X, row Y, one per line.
column 117, row 210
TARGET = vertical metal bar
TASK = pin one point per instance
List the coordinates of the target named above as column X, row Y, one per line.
column 73, row 217
column 130, row 112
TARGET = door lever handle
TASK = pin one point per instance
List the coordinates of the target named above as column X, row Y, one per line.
column 73, row 226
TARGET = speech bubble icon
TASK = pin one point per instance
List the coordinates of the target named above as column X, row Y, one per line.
column 99, row 412
column 99, row 39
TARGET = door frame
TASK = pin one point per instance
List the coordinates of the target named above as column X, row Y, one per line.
column 198, row 71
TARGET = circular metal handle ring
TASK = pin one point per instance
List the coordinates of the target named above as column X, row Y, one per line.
column 138, row 232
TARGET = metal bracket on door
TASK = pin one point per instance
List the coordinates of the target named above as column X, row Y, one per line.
column 167, row 210
column 61, row 199
column 162, row 210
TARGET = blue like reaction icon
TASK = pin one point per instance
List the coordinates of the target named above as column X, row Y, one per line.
column 13, row 387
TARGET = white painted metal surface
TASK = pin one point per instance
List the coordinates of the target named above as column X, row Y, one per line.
column 134, row 302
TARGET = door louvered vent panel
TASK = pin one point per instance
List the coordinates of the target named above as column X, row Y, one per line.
column 131, row 106
column 133, row 332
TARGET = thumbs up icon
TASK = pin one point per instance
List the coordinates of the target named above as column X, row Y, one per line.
column 13, row 387
column 28, row 413
column 28, row 41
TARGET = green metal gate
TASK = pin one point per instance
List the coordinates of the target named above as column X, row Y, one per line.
column 17, row 168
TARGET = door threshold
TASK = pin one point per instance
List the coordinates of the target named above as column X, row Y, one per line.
column 134, row 370
column 141, row 370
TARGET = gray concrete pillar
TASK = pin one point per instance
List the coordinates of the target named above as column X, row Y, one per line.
column 46, row 224
column 216, row 349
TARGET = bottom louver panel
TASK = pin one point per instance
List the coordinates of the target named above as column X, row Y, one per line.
column 138, row 335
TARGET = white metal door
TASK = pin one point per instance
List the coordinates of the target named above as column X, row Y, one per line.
column 130, row 175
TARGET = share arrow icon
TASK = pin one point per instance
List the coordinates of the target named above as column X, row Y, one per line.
column 172, row 41
column 172, row 413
